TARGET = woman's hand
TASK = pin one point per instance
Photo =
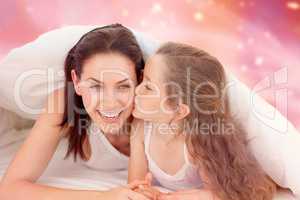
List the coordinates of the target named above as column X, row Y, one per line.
column 194, row 194
column 147, row 189
column 126, row 192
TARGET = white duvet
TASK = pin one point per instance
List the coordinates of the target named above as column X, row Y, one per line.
column 275, row 145
column 64, row 173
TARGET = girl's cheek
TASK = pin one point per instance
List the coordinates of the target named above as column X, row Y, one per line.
column 149, row 105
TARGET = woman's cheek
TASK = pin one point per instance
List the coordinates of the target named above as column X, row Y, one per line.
column 90, row 100
column 126, row 99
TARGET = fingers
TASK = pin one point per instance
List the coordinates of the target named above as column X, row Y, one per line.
column 186, row 191
column 149, row 178
column 135, row 184
column 136, row 196
column 167, row 197
column 147, row 192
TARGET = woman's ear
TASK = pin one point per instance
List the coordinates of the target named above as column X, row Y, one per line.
column 76, row 82
column 182, row 112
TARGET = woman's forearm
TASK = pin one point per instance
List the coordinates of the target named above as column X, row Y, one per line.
column 21, row 190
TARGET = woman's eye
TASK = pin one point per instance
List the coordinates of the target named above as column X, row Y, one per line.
column 122, row 87
column 96, row 87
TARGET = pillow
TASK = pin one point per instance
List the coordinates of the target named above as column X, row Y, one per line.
column 37, row 68
column 29, row 73
column 273, row 140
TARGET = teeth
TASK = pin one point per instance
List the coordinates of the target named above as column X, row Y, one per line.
column 110, row 114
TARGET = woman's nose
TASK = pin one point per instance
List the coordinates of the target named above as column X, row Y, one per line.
column 108, row 100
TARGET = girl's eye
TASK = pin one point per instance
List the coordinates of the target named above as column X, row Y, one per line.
column 123, row 87
column 147, row 87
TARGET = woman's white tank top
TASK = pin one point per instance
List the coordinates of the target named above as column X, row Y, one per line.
column 104, row 156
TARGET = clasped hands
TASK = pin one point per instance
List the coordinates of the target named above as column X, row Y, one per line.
column 145, row 188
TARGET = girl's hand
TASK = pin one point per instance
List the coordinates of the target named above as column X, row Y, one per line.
column 147, row 189
column 146, row 182
column 194, row 194
column 126, row 192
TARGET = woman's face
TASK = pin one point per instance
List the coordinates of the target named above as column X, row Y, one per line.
column 151, row 101
column 107, row 86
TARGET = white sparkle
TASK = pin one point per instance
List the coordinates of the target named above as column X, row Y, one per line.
column 240, row 46
column 143, row 23
column 156, row 8
column 198, row 16
column 293, row 5
column 244, row 68
column 259, row 60
column 124, row 12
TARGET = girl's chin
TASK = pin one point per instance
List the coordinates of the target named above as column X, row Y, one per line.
column 141, row 116
column 136, row 114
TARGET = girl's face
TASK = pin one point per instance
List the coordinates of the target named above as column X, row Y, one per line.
column 151, row 101
column 107, row 86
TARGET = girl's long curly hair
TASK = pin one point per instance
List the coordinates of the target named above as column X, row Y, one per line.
column 215, row 141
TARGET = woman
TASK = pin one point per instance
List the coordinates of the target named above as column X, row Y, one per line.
column 101, row 71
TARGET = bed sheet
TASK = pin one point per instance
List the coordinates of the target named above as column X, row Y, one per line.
column 64, row 173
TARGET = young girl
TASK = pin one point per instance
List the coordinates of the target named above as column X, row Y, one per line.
column 186, row 137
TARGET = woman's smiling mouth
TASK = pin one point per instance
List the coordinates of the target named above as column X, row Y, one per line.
column 110, row 116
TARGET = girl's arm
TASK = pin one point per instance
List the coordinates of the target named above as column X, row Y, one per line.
column 33, row 157
column 138, row 165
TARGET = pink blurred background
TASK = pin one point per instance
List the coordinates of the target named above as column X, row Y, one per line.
column 257, row 39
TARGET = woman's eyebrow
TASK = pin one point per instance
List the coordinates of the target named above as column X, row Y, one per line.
column 93, row 79
column 122, row 81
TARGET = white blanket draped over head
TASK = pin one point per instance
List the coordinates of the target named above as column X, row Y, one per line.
column 29, row 73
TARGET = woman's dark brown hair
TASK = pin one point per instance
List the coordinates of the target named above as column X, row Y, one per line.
column 221, row 154
column 113, row 38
